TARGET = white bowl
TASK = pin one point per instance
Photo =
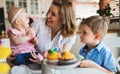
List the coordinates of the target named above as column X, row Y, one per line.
column 67, row 62
column 53, row 62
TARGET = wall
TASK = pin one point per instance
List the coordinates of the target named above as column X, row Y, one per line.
column 86, row 9
column 111, row 43
column 1, row 3
column 76, row 47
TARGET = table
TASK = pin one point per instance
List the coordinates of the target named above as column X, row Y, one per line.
column 48, row 69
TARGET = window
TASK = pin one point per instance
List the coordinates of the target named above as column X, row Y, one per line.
column 23, row 3
column 31, row 6
column 9, row 4
column 114, row 4
column 34, row 6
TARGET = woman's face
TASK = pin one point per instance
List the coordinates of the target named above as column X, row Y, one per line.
column 53, row 18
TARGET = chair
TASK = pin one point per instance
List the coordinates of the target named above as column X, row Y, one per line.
column 118, row 63
column 113, row 41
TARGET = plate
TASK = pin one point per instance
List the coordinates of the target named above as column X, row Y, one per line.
column 64, row 66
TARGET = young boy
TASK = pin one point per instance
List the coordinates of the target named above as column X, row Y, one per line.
column 22, row 37
column 91, row 31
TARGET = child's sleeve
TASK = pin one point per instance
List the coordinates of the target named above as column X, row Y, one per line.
column 109, row 62
column 9, row 31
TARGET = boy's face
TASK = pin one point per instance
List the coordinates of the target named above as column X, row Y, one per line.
column 86, row 34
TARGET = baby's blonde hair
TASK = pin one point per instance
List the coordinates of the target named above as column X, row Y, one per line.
column 12, row 13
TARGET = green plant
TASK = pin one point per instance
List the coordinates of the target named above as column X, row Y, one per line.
column 105, row 11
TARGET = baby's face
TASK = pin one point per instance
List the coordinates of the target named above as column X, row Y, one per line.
column 24, row 19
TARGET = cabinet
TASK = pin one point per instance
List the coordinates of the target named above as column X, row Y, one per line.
column 33, row 7
column 2, row 21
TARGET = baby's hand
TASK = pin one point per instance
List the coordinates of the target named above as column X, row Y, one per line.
column 30, row 32
column 44, row 54
column 34, row 41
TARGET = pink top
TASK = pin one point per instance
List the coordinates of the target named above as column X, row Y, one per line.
column 20, row 48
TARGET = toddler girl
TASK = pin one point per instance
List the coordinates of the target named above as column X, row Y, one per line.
column 22, row 37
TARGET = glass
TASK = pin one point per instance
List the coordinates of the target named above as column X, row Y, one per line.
column 20, row 3
column 34, row 6
column 9, row 4
column 12, row 3
column 23, row 4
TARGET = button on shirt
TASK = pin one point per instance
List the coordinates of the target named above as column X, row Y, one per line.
column 43, row 33
column 100, row 54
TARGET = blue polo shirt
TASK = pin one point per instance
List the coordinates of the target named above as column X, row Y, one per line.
column 100, row 54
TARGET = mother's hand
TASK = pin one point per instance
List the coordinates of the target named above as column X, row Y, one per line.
column 10, row 58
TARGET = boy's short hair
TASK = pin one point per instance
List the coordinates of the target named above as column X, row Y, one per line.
column 97, row 25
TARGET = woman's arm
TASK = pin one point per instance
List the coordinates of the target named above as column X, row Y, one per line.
column 69, row 43
column 91, row 64
column 36, row 25
column 10, row 58
column 66, row 46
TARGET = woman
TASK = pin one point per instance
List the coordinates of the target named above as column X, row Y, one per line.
column 57, row 30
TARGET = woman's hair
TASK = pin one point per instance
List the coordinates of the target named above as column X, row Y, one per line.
column 97, row 25
column 67, row 17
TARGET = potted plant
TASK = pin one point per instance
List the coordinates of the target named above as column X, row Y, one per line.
column 105, row 13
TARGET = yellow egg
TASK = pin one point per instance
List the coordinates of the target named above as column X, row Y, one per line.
column 4, row 68
column 66, row 55
column 4, row 53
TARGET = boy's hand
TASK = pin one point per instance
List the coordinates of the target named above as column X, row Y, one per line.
column 88, row 64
